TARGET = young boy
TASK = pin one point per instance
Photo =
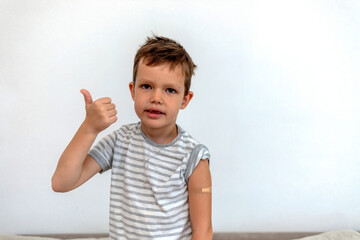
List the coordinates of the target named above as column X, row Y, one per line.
column 161, row 183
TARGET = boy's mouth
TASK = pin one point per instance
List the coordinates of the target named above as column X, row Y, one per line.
column 154, row 113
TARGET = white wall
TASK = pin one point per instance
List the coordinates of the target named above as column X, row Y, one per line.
column 276, row 101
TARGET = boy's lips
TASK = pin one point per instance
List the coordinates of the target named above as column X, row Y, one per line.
column 154, row 113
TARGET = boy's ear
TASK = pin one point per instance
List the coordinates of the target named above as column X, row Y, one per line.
column 132, row 89
column 186, row 99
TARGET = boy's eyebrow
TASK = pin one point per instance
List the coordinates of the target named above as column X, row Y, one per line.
column 141, row 79
column 173, row 85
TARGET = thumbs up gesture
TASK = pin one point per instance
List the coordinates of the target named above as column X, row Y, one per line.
column 99, row 114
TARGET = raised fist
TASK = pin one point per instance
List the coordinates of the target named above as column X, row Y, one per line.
column 99, row 114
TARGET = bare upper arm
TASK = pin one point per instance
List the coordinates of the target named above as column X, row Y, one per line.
column 89, row 169
column 200, row 200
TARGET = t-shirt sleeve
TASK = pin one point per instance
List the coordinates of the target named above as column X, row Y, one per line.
column 103, row 151
column 200, row 152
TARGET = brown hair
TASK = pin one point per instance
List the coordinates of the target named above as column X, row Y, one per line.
column 158, row 50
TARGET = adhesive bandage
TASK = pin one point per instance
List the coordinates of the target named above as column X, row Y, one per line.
column 206, row 190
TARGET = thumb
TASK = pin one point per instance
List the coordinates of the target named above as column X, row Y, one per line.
column 87, row 97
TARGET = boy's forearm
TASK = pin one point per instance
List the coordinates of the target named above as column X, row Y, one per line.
column 71, row 161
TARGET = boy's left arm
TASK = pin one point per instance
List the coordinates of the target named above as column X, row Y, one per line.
column 199, row 187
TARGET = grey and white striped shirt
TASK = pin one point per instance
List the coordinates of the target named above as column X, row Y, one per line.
column 149, row 196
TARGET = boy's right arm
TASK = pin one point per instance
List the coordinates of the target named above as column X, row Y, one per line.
column 75, row 166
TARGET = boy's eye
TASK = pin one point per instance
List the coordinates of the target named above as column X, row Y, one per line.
column 171, row 90
column 145, row 86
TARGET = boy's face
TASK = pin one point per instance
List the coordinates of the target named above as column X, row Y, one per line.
column 158, row 94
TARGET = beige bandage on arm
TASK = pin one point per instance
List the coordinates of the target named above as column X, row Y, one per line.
column 204, row 190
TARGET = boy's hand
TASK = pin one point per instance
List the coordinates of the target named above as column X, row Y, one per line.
column 99, row 114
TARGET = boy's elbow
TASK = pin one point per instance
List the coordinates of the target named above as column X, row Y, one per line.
column 202, row 234
column 57, row 186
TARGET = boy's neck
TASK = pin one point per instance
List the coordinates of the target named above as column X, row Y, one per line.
column 161, row 136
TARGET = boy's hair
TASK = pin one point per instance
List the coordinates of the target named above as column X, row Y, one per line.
column 159, row 50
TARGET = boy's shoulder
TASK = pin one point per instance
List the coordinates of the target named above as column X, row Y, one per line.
column 187, row 139
column 126, row 130
column 131, row 127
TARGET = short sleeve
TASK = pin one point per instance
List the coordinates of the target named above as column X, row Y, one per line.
column 103, row 151
column 200, row 152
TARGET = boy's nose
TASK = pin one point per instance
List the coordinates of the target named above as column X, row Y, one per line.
column 156, row 97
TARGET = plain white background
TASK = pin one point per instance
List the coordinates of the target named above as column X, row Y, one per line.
column 276, row 102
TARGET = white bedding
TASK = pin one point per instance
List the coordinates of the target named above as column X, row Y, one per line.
column 15, row 237
column 335, row 235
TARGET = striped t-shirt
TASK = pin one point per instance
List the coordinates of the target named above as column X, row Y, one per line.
column 149, row 195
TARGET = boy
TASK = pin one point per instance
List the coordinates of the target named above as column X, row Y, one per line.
column 161, row 182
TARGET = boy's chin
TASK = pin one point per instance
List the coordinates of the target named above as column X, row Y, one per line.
column 156, row 124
